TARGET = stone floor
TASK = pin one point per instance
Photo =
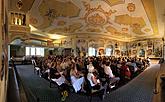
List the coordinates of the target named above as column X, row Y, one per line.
column 140, row 89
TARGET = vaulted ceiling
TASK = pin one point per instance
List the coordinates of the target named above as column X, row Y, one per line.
column 122, row 20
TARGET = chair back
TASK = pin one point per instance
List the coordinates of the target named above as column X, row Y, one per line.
column 87, row 86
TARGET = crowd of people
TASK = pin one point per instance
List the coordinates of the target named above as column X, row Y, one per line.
column 102, row 73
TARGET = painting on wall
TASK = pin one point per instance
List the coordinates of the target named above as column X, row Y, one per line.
column 134, row 45
column 117, row 52
column 116, row 45
column 158, row 52
column 142, row 53
column 150, row 44
column 81, row 47
column 101, row 52
column 124, row 53
column 134, row 52
column 66, row 43
column 149, row 52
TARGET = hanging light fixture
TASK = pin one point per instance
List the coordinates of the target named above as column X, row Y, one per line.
column 19, row 4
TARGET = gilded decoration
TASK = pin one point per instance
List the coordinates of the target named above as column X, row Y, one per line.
column 96, row 16
column 18, row 35
column 125, row 30
column 151, row 14
column 61, row 23
column 121, row 20
column 58, row 30
column 93, row 30
column 136, row 23
column 53, row 9
column 131, row 7
column 56, row 8
column 115, row 32
column 66, row 42
column 111, row 29
column 114, row 2
column 134, row 52
column 33, row 20
column 19, row 4
column 147, row 30
column 149, row 52
column 67, row 29
column 73, row 27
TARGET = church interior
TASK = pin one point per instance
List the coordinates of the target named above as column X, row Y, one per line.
column 82, row 50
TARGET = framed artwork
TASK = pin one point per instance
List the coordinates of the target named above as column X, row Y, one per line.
column 150, row 44
column 134, row 45
column 134, row 52
column 117, row 52
column 149, row 52
column 158, row 52
column 101, row 52
column 142, row 53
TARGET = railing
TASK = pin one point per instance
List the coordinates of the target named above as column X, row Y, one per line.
column 17, row 18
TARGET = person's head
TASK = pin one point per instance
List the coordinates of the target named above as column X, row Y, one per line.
column 123, row 63
column 104, row 63
column 107, row 63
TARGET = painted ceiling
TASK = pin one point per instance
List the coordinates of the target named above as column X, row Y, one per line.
column 118, row 19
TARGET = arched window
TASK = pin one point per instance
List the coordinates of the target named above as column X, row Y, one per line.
column 91, row 51
column 108, row 51
column 34, row 51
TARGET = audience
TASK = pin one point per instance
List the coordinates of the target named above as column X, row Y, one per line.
column 74, row 70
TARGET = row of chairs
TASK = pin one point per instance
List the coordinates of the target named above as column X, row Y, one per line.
column 89, row 91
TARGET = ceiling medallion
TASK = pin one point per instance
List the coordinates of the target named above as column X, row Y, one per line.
column 50, row 13
column 19, row 4
column 96, row 16
column 131, row 7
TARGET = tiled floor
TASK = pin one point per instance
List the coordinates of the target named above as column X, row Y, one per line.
column 139, row 89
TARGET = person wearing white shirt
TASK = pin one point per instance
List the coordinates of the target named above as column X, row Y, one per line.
column 90, row 67
column 108, row 72
column 94, row 81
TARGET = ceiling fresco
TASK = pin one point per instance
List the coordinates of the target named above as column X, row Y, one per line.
column 119, row 19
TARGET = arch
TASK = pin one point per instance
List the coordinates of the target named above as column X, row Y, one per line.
column 109, row 50
column 17, row 41
column 17, row 36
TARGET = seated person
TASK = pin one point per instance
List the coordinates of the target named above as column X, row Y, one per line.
column 56, row 76
column 90, row 67
column 108, row 72
column 125, row 72
column 94, row 80
column 77, row 78
column 133, row 64
column 148, row 61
